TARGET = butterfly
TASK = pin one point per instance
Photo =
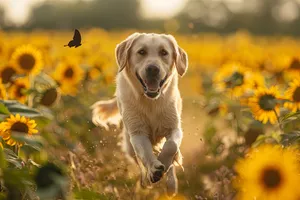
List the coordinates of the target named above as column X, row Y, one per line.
column 76, row 40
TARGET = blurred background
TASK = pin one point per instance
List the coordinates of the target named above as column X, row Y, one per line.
column 235, row 48
column 185, row 16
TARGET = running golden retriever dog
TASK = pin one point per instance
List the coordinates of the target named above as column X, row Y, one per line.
column 148, row 102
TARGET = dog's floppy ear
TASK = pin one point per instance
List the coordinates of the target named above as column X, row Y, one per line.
column 180, row 57
column 122, row 50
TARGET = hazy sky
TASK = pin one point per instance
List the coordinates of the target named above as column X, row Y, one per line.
column 18, row 11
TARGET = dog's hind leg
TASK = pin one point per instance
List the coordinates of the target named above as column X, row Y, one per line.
column 172, row 182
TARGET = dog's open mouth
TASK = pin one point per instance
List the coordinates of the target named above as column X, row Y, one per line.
column 150, row 91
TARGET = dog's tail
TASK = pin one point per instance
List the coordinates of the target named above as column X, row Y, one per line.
column 106, row 113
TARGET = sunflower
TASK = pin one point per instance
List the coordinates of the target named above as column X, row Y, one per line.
column 98, row 65
column 7, row 72
column 50, row 96
column 293, row 70
column 276, row 63
column 294, row 65
column 264, row 104
column 28, row 60
column 17, row 90
column 93, row 73
column 256, row 80
column 233, row 78
column 2, row 91
column 68, row 75
column 268, row 173
column 4, row 47
column 17, row 124
column 293, row 94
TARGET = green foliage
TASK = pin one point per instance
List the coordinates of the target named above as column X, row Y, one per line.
column 17, row 169
column 51, row 182
column 14, row 107
column 3, row 109
column 292, row 138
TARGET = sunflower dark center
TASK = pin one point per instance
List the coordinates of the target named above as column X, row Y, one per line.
column 69, row 73
column 19, row 91
column 19, row 127
column 236, row 79
column 295, row 64
column 7, row 73
column 26, row 61
column 49, row 97
column 271, row 178
column 296, row 95
column 267, row 102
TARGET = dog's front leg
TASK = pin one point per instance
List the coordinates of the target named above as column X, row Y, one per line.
column 143, row 150
column 171, row 148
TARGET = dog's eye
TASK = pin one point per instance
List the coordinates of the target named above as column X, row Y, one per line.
column 142, row 52
column 163, row 52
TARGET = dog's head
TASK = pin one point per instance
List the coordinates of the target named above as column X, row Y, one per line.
column 151, row 60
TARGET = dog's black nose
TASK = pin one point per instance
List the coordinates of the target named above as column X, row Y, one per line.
column 152, row 70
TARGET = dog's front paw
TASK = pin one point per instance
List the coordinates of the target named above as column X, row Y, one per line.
column 156, row 171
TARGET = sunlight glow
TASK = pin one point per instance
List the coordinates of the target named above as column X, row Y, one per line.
column 157, row 9
column 18, row 11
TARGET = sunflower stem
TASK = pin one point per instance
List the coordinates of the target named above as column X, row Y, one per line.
column 73, row 167
column 16, row 149
column 236, row 124
column 278, row 120
column 30, row 96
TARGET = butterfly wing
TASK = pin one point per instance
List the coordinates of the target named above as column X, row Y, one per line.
column 72, row 43
column 77, row 36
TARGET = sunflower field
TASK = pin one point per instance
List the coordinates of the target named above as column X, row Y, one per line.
column 241, row 119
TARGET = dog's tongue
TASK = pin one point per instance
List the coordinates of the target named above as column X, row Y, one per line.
column 152, row 85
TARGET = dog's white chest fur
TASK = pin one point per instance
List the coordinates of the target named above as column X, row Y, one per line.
column 158, row 117
column 163, row 117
